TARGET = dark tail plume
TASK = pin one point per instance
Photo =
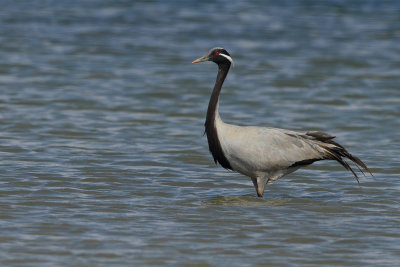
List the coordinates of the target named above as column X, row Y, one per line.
column 337, row 152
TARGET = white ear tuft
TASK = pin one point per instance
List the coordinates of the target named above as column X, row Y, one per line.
column 228, row 58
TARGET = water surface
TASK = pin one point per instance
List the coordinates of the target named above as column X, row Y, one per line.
column 103, row 158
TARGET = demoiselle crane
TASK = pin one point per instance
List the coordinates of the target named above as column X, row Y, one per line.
column 261, row 153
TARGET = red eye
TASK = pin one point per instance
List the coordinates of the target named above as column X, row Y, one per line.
column 217, row 53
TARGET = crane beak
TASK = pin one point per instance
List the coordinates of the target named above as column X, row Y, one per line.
column 202, row 59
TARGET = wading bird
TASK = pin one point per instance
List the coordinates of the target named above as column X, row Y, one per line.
column 264, row 154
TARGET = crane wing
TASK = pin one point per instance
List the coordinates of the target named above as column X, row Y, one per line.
column 266, row 148
column 252, row 150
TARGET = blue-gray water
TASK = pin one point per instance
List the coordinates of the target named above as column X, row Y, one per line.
column 102, row 155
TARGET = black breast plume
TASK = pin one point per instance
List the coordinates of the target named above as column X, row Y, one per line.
column 212, row 134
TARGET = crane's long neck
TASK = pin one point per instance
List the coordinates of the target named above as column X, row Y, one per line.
column 212, row 113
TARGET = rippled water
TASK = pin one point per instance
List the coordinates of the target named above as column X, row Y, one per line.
column 103, row 158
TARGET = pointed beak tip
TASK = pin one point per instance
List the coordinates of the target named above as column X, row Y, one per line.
column 202, row 59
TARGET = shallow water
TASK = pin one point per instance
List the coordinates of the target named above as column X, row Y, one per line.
column 103, row 158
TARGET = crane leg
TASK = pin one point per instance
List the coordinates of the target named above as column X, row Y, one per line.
column 259, row 185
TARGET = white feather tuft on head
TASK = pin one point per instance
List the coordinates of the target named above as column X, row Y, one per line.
column 228, row 58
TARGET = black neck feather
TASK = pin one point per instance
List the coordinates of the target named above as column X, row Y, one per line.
column 212, row 135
